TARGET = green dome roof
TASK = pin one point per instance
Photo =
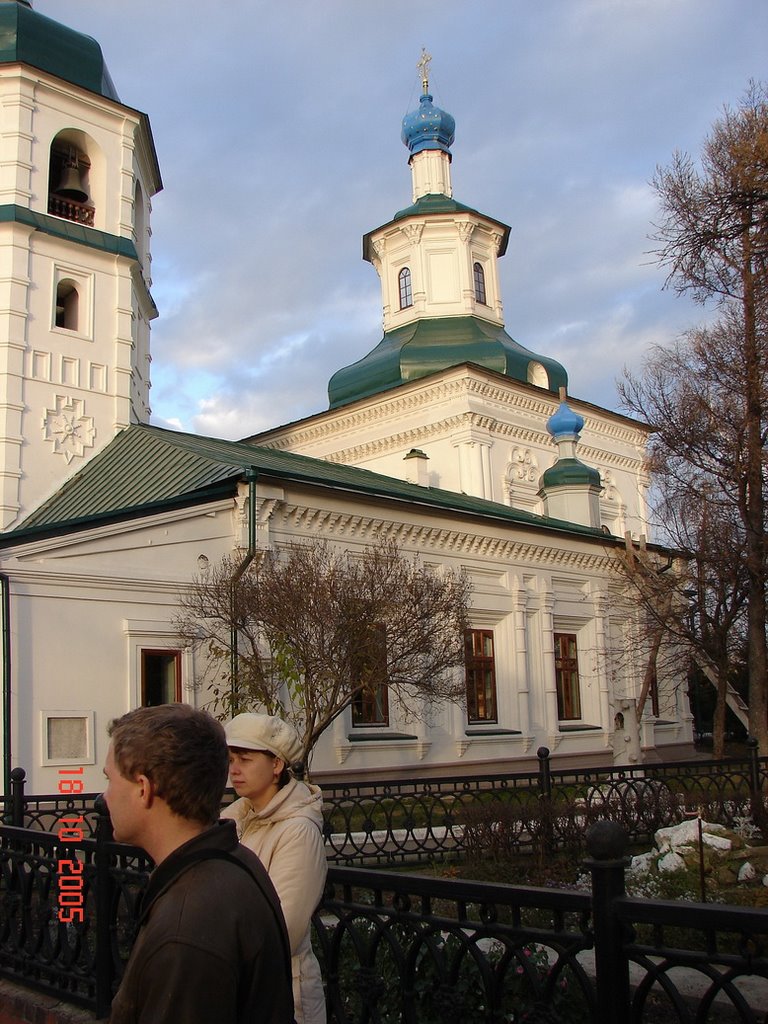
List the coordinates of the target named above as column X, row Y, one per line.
column 27, row 37
column 429, row 345
column 569, row 472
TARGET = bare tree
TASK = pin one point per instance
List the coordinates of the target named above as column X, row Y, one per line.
column 707, row 395
column 692, row 603
column 308, row 631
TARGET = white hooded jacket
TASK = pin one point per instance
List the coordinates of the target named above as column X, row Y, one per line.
column 287, row 837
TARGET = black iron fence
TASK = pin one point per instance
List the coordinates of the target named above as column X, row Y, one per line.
column 397, row 947
column 69, row 942
column 385, row 823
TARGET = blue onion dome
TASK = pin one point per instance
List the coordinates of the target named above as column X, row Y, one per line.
column 565, row 422
column 429, row 127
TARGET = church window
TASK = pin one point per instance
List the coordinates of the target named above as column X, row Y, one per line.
column 480, row 675
column 140, row 222
column 537, row 375
column 406, row 290
column 567, row 677
column 370, row 705
column 479, row 278
column 68, row 180
column 67, row 305
column 160, row 677
column 72, row 300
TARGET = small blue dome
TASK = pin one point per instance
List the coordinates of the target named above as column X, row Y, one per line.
column 429, row 127
column 565, row 422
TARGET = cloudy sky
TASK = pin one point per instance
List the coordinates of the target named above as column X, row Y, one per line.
column 277, row 127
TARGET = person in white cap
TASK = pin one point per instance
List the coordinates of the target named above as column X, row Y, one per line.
column 280, row 819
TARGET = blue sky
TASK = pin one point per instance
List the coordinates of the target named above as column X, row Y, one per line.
column 277, row 127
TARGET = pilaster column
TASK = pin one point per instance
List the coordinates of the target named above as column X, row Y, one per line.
column 549, row 679
column 600, row 604
column 475, row 467
column 520, row 619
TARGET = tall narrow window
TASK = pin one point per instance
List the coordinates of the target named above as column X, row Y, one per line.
column 139, row 221
column 406, row 292
column 479, row 276
column 370, row 706
column 480, row 674
column 160, row 677
column 67, row 305
column 567, row 677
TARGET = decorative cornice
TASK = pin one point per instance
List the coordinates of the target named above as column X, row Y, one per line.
column 392, row 406
column 47, row 579
column 418, row 436
column 332, row 523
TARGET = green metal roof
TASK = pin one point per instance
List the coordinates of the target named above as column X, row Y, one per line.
column 428, row 345
column 145, row 469
column 27, row 37
column 68, row 229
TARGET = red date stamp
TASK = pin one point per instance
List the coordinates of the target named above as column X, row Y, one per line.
column 69, row 872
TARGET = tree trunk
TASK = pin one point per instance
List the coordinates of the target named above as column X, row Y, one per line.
column 755, row 509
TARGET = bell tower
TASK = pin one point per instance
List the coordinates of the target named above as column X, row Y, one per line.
column 77, row 172
column 438, row 264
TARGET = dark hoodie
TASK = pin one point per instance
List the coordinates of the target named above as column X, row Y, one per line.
column 212, row 945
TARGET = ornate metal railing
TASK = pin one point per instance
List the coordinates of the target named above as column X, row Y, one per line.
column 75, row 949
column 422, row 820
column 396, row 947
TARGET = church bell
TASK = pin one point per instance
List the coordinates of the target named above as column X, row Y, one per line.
column 71, row 183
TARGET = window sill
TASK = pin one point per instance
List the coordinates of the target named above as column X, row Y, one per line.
column 475, row 731
column 579, row 728
column 378, row 737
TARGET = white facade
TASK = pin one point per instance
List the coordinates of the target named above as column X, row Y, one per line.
column 483, row 434
column 69, row 383
column 85, row 605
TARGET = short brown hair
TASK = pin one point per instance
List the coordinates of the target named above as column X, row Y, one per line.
column 181, row 750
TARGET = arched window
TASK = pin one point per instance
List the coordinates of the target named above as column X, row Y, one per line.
column 139, row 221
column 406, row 292
column 479, row 276
column 68, row 178
column 67, row 305
column 537, row 375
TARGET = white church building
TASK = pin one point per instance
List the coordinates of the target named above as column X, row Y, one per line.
column 448, row 436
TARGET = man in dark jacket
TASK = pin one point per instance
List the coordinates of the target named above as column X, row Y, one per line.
column 212, row 946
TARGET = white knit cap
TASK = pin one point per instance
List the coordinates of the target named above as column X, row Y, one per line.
column 264, row 732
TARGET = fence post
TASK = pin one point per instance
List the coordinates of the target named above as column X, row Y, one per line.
column 546, row 822
column 18, row 777
column 104, row 885
column 545, row 778
column 606, row 844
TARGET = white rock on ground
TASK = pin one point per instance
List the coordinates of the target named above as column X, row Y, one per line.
column 746, row 872
column 642, row 863
column 687, row 833
column 671, row 862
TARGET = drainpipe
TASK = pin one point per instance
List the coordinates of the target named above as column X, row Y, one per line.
column 251, row 476
column 5, row 642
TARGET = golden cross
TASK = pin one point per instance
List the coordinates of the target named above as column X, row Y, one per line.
column 423, row 65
